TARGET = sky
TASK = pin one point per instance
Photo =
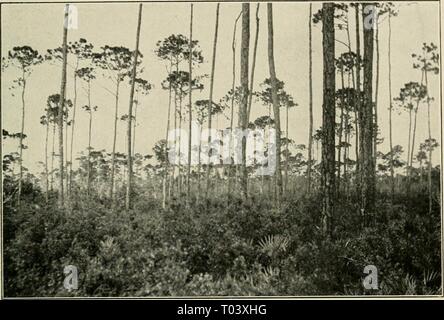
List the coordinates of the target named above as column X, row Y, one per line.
column 114, row 24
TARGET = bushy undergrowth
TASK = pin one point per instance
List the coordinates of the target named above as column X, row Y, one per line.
column 220, row 247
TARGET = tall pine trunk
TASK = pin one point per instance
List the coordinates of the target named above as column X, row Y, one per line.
column 88, row 182
column 376, row 127
column 73, row 126
column 231, row 179
column 369, row 185
column 210, row 101
column 275, row 100
column 62, row 107
column 429, row 166
column 253, row 65
column 190, row 104
column 310, row 97
column 46, row 158
column 113, row 155
column 129, row 182
column 245, row 51
column 22, row 129
column 392, row 170
column 165, row 183
column 328, row 118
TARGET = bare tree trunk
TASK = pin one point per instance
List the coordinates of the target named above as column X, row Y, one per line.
column 136, row 103
column 22, row 129
column 275, row 99
column 341, row 125
column 429, row 166
column 286, row 151
column 128, row 204
column 245, row 50
column 414, row 124
column 369, row 170
column 113, row 155
column 376, row 127
column 253, row 66
column 310, row 96
column 190, row 106
column 88, row 182
column 210, row 100
column 166, row 173
column 409, row 143
column 73, row 125
column 231, row 179
column 392, row 171
column 328, row 119
column 61, row 107
column 46, row 159
column 359, row 127
column 53, row 155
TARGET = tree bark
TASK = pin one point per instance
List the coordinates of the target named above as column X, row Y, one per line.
column 190, row 106
column 392, row 171
column 72, row 126
column 210, row 101
column 359, row 127
column 46, row 158
column 61, row 108
column 253, row 66
column 113, row 155
column 376, row 128
column 128, row 204
column 429, row 166
column 88, row 182
column 328, row 119
column 231, row 179
column 275, row 100
column 245, row 50
column 310, row 96
column 368, row 193
column 22, row 129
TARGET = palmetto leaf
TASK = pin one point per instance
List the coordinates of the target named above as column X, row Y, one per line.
column 272, row 244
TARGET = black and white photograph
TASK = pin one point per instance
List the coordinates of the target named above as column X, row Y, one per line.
column 174, row 149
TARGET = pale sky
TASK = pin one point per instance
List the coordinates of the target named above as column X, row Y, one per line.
column 40, row 26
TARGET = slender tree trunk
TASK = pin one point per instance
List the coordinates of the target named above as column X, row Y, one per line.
column 359, row 127
column 22, row 129
column 310, row 96
column 46, row 159
column 165, row 175
column 136, row 105
column 328, row 119
column 414, row 123
column 190, row 105
column 369, row 170
column 62, row 107
column 409, row 143
column 275, row 99
column 53, row 154
column 66, row 180
column 253, row 66
column 376, row 127
column 392, row 171
column 245, row 50
column 88, row 182
column 73, row 125
column 286, row 151
column 429, row 166
column 233, row 83
column 341, row 125
column 113, row 155
column 210, row 100
column 128, row 204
